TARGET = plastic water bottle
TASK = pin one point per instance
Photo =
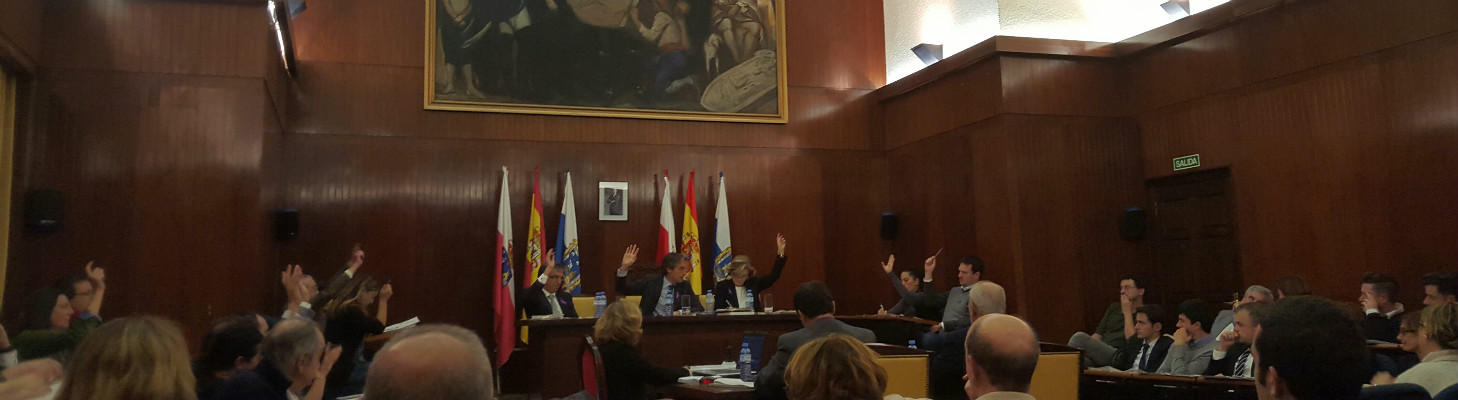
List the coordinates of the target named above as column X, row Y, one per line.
column 748, row 299
column 599, row 303
column 709, row 299
column 746, row 363
column 911, row 344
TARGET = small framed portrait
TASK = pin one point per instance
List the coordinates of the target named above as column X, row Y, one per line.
column 612, row 201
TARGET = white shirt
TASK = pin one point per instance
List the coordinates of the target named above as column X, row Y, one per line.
column 741, row 296
column 1388, row 315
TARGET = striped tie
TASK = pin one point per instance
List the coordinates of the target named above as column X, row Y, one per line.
column 1240, row 364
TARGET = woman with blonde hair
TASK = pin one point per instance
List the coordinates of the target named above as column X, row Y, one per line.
column 142, row 358
column 347, row 321
column 617, row 334
column 732, row 292
column 835, row 367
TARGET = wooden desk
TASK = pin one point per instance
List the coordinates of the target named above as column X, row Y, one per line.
column 549, row 364
column 1099, row 385
column 694, row 391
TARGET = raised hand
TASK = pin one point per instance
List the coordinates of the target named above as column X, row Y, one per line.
column 890, row 264
column 330, row 356
column 930, row 264
column 780, row 244
column 629, row 257
column 386, row 292
column 550, row 261
column 97, row 275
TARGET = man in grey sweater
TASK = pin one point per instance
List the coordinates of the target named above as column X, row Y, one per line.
column 1193, row 345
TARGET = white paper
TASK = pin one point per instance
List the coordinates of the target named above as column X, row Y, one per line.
column 408, row 323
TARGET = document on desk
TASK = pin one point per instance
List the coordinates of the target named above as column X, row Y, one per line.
column 408, row 323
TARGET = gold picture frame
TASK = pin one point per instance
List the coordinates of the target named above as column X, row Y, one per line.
column 698, row 60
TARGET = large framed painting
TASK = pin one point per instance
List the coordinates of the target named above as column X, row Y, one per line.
column 708, row 60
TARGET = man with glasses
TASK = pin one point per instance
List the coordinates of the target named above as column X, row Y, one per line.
column 1117, row 326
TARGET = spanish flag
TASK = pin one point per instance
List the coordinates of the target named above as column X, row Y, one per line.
column 536, row 237
column 691, row 238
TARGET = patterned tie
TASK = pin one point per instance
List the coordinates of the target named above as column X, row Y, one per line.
column 665, row 304
column 1240, row 364
column 1144, row 358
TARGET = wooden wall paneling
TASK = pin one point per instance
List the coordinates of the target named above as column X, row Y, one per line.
column 157, row 36
column 835, row 44
column 995, row 205
column 1206, row 127
column 856, row 192
column 20, row 27
column 1075, row 176
column 1063, row 86
column 371, row 33
column 967, row 95
column 1287, row 39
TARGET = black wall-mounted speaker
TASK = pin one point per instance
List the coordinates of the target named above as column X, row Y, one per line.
column 285, row 224
column 889, row 225
column 45, row 210
column 1133, row 224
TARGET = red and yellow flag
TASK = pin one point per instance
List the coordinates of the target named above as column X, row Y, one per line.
column 691, row 238
column 536, row 238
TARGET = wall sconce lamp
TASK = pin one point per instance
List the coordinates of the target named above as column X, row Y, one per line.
column 1178, row 8
column 928, row 53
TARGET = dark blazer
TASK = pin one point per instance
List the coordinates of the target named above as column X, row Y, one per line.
column 264, row 382
column 336, row 283
column 1226, row 366
column 627, row 372
column 770, row 384
column 651, row 288
column 533, row 302
column 1124, row 357
column 725, row 296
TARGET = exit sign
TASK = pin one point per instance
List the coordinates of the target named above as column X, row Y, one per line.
column 1187, row 162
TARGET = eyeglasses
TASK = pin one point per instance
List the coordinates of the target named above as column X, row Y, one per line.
column 1408, row 330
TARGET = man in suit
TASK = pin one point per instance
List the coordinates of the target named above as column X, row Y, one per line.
column 1308, row 348
column 1232, row 358
column 1116, row 327
column 1193, row 345
column 1148, row 352
column 294, row 359
column 549, row 295
column 661, row 291
column 817, row 312
column 733, row 291
column 1253, row 294
column 1383, row 316
column 1002, row 353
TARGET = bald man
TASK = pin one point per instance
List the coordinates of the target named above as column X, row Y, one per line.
column 1002, row 352
column 444, row 362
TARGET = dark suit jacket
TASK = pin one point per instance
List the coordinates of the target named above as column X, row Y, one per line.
column 265, row 382
column 1124, row 357
column 770, row 384
column 651, row 288
column 725, row 296
column 336, row 283
column 534, row 302
column 627, row 372
column 1226, row 366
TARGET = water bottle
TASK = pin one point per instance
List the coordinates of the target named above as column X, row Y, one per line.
column 746, row 363
column 709, row 300
column 911, row 344
column 748, row 299
column 599, row 303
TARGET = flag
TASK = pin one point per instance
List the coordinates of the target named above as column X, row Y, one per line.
column 505, row 304
column 567, row 239
column 536, row 238
column 691, row 238
column 723, row 253
column 666, row 239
